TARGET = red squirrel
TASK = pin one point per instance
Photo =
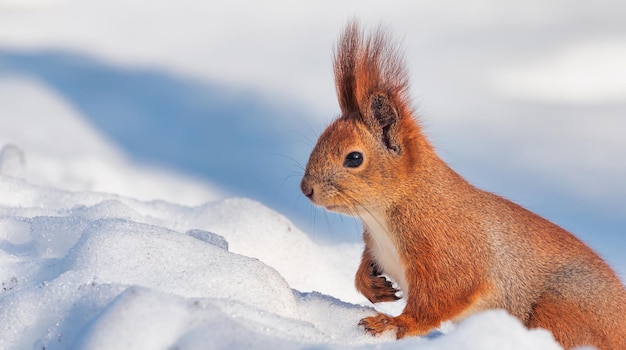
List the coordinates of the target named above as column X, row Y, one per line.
column 453, row 249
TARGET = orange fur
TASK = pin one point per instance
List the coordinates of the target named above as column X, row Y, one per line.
column 453, row 249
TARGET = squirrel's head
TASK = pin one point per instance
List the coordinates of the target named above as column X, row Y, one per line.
column 362, row 160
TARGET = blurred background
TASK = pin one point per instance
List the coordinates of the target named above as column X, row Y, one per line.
column 192, row 101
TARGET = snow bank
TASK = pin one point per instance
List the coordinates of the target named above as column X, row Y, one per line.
column 89, row 270
column 44, row 139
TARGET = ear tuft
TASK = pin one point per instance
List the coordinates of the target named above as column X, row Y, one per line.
column 372, row 82
column 365, row 65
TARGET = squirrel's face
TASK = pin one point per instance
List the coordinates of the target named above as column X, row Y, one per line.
column 351, row 167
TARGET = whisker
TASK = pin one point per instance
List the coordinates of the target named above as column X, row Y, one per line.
column 284, row 179
column 330, row 228
column 292, row 159
column 316, row 134
column 313, row 216
column 345, row 192
column 310, row 141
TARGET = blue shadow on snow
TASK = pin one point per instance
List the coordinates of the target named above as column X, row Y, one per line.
column 230, row 137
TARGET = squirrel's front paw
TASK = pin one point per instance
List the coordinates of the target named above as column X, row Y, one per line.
column 380, row 323
column 383, row 290
column 373, row 286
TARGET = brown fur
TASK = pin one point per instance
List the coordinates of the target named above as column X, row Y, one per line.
column 453, row 249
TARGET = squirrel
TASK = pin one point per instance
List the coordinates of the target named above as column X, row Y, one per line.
column 452, row 249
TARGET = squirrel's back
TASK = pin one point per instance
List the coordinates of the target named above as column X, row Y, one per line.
column 560, row 283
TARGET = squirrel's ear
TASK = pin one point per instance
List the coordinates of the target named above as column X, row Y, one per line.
column 383, row 120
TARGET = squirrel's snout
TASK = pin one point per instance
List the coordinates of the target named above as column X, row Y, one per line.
column 306, row 188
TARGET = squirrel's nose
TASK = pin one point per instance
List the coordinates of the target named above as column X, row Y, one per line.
column 306, row 188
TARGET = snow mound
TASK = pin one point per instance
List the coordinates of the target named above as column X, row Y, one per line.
column 88, row 270
column 46, row 140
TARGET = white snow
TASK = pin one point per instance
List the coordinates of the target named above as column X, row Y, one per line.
column 66, row 152
column 82, row 267
column 525, row 99
column 100, row 251
column 566, row 74
column 89, row 270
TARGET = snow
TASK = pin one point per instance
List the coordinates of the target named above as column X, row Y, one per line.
column 84, row 267
column 89, row 270
column 92, row 269
column 65, row 151
column 525, row 99
column 127, row 127
column 566, row 75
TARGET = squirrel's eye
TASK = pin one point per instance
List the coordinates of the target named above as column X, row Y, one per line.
column 353, row 160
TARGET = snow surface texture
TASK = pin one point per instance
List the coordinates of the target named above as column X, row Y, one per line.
column 89, row 270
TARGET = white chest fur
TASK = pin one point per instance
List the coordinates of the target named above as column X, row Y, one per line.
column 384, row 250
